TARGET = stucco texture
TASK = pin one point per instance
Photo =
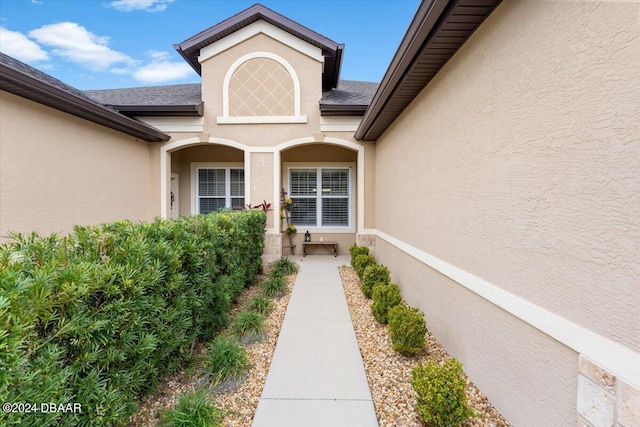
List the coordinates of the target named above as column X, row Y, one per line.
column 308, row 70
column 520, row 164
column 66, row 171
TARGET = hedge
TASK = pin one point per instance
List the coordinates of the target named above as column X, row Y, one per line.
column 99, row 316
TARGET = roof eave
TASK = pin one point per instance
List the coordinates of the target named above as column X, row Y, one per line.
column 342, row 109
column 429, row 19
column 190, row 48
column 44, row 93
column 192, row 110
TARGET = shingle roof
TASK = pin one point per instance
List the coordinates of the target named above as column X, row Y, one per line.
column 184, row 94
column 351, row 98
column 46, row 78
column 350, row 92
column 22, row 80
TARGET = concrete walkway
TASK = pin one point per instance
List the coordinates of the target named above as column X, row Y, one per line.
column 317, row 377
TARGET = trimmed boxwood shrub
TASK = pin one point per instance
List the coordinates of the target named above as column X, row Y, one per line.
column 373, row 275
column 407, row 330
column 361, row 262
column 385, row 297
column 440, row 390
column 357, row 250
column 98, row 317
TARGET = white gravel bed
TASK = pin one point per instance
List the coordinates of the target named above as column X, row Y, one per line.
column 389, row 373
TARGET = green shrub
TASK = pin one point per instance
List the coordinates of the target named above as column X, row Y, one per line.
column 98, row 317
column 283, row 267
column 357, row 250
column 385, row 297
column 407, row 330
column 248, row 326
column 275, row 286
column 227, row 360
column 260, row 304
column 373, row 275
column 192, row 410
column 361, row 262
column 440, row 391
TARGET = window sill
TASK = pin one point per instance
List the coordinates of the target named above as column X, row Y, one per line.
column 252, row 120
column 325, row 230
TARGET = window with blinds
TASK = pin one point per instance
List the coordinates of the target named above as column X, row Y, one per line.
column 320, row 197
column 219, row 188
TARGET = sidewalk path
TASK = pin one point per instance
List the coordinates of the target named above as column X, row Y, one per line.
column 316, row 377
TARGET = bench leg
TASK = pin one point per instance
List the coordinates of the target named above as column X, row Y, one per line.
column 335, row 250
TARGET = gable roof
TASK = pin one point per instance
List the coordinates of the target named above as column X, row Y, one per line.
column 171, row 100
column 438, row 30
column 20, row 79
column 350, row 98
column 332, row 51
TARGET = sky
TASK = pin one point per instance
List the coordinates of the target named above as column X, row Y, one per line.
column 106, row 44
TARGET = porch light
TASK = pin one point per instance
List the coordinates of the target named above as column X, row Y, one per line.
column 307, row 236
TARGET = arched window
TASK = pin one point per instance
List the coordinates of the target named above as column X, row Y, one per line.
column 261, row 88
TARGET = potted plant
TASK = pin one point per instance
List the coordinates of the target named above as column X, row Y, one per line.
column 291, row 230
column 288, row 204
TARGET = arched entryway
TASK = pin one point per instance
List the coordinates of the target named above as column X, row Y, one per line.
column 325, row 179
column 202, row 176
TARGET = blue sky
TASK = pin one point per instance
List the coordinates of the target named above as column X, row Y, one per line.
column 102, row 44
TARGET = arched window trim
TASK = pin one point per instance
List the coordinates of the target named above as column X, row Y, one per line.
column 226, row 119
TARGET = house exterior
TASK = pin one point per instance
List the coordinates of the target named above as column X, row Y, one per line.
column 495, row 171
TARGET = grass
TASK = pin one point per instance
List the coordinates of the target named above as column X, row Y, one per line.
column 227, row 360
column 248, row 326
column 260, row 303
column 275, row 286
column 284, row 266
column 193, row 410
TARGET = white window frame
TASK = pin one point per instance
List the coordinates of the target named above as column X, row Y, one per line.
column 195, row 166
column 351, row 227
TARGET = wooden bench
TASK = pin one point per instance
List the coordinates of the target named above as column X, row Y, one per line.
column 333, row 243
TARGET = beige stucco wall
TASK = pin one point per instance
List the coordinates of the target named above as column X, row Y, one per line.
column 262, row 140
column 65, row 170
column 308, row 70
column 520, row 164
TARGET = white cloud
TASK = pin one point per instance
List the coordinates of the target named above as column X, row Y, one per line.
column 146, row 5
column 158, row 55
column 162, row 71
column 76, row 43
column 17, row 45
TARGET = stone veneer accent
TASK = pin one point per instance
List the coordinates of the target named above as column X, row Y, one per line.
column 368, row 240
column 605, row 400
column 272, row 248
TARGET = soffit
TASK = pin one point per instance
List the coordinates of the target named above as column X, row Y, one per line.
column 438, row 30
